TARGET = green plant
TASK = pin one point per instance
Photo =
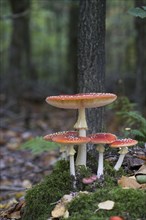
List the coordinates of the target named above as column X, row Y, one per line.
column 132, row 123
column 38, row 145
column 129, row 203
column 136, row 124
column 39, row 199
column 138, row 11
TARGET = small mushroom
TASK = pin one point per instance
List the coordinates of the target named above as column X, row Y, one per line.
column 70, row 141
column 101, row 139
column 63, row 148
column 123, row 144
column 81, row 102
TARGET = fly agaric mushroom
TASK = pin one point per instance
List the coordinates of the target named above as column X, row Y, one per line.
column 70, row 141
column 81, row 102
column 123, row 144
column 101, row 139
column 63, row 148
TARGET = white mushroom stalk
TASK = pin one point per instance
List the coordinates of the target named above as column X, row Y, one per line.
column 71, row 153
column 81, row 121
column 101, row 150
column 101, row 139
column 123, row 144
column 70, row 141
column 122, row 152
column 63, row 151
column 81, row 125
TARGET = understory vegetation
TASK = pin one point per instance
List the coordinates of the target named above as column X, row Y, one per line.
column 42, row 198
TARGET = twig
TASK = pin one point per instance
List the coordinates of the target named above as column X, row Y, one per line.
column 96, row 210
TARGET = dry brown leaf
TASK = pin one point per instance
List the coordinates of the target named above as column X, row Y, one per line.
column 13, row 211
column 142, row 170
column 66, row 214
column 127, row 182
column 9, row 204
column 58, row 211
column 142, row 157
column 27, row 184
column 143, row 186
column 107, row 205
column 66, row 199
column 14, row 215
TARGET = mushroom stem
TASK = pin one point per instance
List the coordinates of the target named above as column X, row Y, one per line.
column 63, row 150
column 81, row 125
column 122, row 152
column 100, row 149
column 72, row 166
column 71, row 158
column 81, row 121
column 82, row 152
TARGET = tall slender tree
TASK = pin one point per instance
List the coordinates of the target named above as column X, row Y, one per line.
column 20, row 46
column 91, row 55
column 140, row 41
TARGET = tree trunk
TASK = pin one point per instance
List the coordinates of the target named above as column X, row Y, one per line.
column 91, row 55
column 140, row 27
column 20, row 48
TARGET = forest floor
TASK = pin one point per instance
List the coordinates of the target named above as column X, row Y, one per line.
column 20, row 169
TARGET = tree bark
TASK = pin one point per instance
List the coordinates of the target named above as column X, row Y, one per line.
column 91, row 55
column 140, row 27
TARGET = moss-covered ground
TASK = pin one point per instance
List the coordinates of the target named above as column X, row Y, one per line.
column 41, row 199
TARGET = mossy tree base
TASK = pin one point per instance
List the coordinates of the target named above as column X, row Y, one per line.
column 129, row 203
column 41, row 199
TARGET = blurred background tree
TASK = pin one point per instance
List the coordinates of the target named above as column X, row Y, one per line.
column 39, row 47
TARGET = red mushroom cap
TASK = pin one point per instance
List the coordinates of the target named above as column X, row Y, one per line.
column 127, row 142
column 82, row 100
column 102, row 138
column 70, row 139
column 49, row 137
column 116, row 218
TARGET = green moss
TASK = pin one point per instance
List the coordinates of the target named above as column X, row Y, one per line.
column 129, row 203
column 40, row 197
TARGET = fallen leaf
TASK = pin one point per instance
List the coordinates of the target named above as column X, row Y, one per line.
column 27, row 184
column 66, row 214
column 13, row 211
column 107, row 205
column 142, row 157
column 8, row 204
column 127, row 182
column 58, row 211
column 143, row 186
column 142, row 170
column 67, row 198
column 14, row 215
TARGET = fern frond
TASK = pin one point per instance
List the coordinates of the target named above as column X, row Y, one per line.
column 135, row 115
column 138, row 11
column 38, row 145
